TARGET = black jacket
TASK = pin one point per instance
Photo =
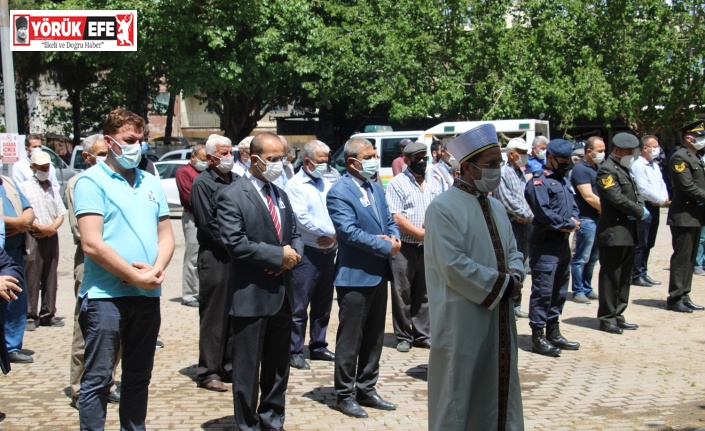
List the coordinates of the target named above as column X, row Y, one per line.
column 621, row 205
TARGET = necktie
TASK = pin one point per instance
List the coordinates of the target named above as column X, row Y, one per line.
column 370, row 198
column 273, row 210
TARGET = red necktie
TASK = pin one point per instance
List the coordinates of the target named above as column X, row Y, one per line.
column 273, row 211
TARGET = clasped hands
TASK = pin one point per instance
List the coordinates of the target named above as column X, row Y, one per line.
column 145, row 276
column 289, row 260
column 577, row 226
column 396, row 244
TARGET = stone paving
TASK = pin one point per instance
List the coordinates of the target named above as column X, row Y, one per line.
column 649, row 379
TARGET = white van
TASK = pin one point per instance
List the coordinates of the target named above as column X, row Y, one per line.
column 387, row 143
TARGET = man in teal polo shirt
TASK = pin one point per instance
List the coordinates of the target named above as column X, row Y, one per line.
column 126, row 235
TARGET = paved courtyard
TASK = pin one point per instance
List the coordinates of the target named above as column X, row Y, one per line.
column 649, row 379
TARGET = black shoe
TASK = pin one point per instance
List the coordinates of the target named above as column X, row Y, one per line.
column 693, row 306
column 298, row 361
column 376, row 402
column 628, row 326
column 74, row 402
column 52, row 322
column 403, row 346
column 351, row 408
column 114, row 396
column 20, row 358
column 610, row 328
column 323, row 355
column 679, row 307
column 540, row 345
column 423, row 344
column 554, row 336
column 652, row 281
column 641, row 281
column 159, row 345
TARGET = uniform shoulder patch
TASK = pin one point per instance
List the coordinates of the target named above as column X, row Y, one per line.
column 538, row 182
column 608, row 181
column 679, row 168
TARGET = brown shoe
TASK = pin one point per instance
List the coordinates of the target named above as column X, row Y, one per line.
column 214, row 385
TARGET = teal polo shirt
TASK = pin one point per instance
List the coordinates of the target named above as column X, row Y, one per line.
column 130, row 219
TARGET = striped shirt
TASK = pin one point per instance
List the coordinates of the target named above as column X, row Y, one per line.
column 405, row 197
column 47, row 204
column 440, row 173
column 511, row 193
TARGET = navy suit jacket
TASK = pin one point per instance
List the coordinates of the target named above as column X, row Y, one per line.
column 363, row 257
column 248, row 234
column 7, row 267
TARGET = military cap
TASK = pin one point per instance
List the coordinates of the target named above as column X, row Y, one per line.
column 414, row 147
column 696, row 128
column 625, row 140
column 560, row 148
column 473, row 142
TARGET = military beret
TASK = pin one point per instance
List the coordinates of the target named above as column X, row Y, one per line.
column 625, row 140
column 696, row 127
column 560, row 148
column 414, row 147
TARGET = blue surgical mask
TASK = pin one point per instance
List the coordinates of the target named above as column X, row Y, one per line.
column 319, row 170
column 131, row 155
column 200, row 165
column 369, row 167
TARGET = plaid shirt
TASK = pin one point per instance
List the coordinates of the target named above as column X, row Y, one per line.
column 405, row 197
column 511, row 193
column 47, row 204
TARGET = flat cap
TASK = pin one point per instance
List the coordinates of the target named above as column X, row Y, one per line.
column 472, row 142
column 625, row 140
column 518, row 144
column 415, row 147
column 696, row 127
column 40, row 158
column 560, row 148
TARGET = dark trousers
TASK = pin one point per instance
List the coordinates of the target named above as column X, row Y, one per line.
column 614, row 282
column 522, row 233
column 409, row 297
column 550, row 273
column 133, row 323
column 646, row 236
column 213, row 308
column 358, row 345
column 312, row 279
column 685, row 248
column 261, row 361
column 13, row 314
column 42, row 278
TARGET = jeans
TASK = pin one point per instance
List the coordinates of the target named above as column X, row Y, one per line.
column 700, row 257
column 13, row 314
column 585, row 257
column 132, row 321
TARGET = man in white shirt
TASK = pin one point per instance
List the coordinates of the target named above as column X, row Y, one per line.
column 652, row 188
column 21, row 171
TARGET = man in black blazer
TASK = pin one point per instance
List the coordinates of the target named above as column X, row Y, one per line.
column 258, row 229
column 686, row 215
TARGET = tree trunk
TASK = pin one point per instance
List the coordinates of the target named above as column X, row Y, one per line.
column 238, row 117
column 170, row 113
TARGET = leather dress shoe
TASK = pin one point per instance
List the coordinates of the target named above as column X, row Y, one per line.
column 114, row 396
column 323, row 355
column 215, row 386
column 298, row 361
column 376, row 402
column 20, row 358
column 628, row 326
column 610, row 328
column 641, row 281
column 693, row 306
column 652, row 281
column 423, row 344
column 351, row 408
column 679, row 307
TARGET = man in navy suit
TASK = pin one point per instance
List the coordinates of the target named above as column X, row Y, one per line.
column 367, row 237
column 11, row 278
column 258, row 230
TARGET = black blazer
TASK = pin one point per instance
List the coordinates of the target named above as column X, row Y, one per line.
column 621, row 205
column 688, row 179
column 248, row 234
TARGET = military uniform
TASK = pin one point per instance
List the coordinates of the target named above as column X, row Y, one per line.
column 551, row 200
column 686, row 215
column 616, row 237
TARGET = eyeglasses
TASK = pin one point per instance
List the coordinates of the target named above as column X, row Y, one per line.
column 493, row 165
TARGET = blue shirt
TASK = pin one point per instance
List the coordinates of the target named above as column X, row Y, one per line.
column 308, row 202
column 583, row 173
column 535, row 165
column 15, row 241
column 130, row 219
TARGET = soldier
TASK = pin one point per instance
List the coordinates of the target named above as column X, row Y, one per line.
column 555, row 217
column 616, row 232
column 686, row 215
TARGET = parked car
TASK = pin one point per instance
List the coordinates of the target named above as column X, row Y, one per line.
column 184, row 154
column 167, row 174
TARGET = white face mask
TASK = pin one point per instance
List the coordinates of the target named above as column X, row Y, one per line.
column 200, row 165
column 41, row 175
column 523, row 160
column 627, row 161
column 541, row 155
column 226, row 164
column 131, row 155
column 319, row 170
column 32, row 151
column 99, row 159
column 272, row 171
column 489, row 180
column 655, row 152
column 598, row 157
column 699, row 143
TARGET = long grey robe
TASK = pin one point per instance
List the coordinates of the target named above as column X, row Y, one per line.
column 472, row 373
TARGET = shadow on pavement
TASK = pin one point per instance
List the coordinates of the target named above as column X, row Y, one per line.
column 225, row 423
column 583, row 322
column 655, row 303
column 419, row 372
column 177, row 299
column 191, row 372
column 390, row 340
column 524, row 342
column 323, row 395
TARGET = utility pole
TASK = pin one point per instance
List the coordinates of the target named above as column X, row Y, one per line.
column 8, row 69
